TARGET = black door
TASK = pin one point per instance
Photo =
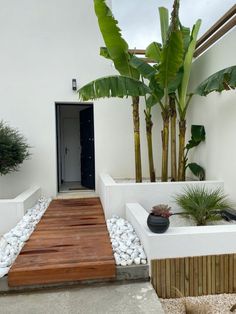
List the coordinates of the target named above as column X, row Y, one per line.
column 87, row 148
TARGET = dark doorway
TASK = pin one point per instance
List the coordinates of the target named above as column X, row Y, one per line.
column 75, row 147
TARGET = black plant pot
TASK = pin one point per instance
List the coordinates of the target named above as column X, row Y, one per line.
column 158, row 224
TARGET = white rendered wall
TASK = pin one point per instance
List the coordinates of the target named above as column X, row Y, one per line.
column 44, row 44
column 217, row 112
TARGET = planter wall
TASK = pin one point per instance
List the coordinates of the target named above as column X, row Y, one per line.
column 195, row 260
column 194, row 276
column 114, row 195
column 12, row 210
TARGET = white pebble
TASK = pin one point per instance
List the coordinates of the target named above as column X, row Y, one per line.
column 137, row 260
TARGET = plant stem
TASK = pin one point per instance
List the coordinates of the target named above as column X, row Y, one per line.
column 182, row 131
column 149, row 125
column 137, row 149
column 165, row 144
column 173, row 137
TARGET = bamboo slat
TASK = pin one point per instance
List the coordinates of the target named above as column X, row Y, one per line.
column 194, row 276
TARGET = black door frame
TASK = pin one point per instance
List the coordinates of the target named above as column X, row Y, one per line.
column 58, row 138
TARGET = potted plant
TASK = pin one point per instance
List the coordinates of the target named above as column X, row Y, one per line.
column 158, row 219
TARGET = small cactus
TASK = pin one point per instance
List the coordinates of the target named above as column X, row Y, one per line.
column 161, row 210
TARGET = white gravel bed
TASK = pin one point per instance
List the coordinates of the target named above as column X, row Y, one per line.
column 12, row 242
column 210, row 304
column 126, row 245
column 181, row 221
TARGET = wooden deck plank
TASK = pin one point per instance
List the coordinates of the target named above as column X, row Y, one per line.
column 70, row 243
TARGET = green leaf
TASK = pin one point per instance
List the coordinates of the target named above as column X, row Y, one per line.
column 198, row 135
column 198, row 132
column 151, row 101
column 222, row 80
column 153, row 51
column 187, row 67
column 174, row 85
column 117, row 47
column 164, row 23
column 113, row 86
column 104, row 53
column 143, row 68
column 186, row 36
column 171, row 59
column 197, row 170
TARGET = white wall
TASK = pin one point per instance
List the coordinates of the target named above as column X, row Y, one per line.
column 217, row 112
column 44, row 44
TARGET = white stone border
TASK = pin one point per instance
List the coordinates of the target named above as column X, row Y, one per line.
column 181, row 241
column 114, row 195
column 12, row 210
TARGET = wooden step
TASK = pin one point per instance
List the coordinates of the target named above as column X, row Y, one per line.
column 70, row 243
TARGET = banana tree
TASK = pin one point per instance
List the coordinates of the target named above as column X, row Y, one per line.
column 118, row 51
column 163, row 76
column 182, row 97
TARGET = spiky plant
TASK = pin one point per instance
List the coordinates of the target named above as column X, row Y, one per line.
column 13, row 149
column 161, row 210
column 202, row 204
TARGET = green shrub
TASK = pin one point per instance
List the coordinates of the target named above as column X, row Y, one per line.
column 203, row 205
column 13, row 149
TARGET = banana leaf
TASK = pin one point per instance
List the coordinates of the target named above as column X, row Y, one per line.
column 187, row 68
column 113, row 86
column 117, row 47
column 222, row 80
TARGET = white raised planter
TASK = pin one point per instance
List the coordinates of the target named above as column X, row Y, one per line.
column 181, row 241
column 115, row 195
column 12, row 210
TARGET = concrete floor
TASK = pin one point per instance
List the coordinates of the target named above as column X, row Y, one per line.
column 133, row 298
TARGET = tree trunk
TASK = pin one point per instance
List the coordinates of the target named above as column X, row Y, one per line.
column 165, row 145
column 182, row 131
column 149, row 125
column 173, row 137
column 138, row 165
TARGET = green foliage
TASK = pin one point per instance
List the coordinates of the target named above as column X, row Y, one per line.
column 171, row 59
column 113, row 86
column 164, row 23
column 187, row 66
column 202, row 204
column 153, row 51
column 197, row 170
column 198, row 135
column 143, row 68
column 218, row 82
column 117, row 47
column 13, row 149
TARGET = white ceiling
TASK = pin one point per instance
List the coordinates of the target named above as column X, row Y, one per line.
column 139, row 19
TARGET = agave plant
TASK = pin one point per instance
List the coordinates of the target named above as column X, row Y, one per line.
column 202, row 204
column 126, row 84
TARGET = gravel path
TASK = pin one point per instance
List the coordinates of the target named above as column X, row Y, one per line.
column 210, row 304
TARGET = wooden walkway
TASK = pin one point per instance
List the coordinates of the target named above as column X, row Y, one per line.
column 70, row 243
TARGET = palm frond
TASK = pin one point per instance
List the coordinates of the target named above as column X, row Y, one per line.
column 203, row 204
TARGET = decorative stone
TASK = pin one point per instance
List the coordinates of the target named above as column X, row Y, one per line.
column 137, row 260
column 12, row 242
column 125, row 243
